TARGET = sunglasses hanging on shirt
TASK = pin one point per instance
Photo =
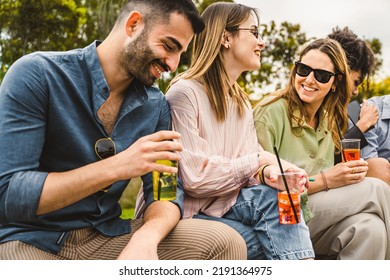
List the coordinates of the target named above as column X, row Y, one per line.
column 105, row 147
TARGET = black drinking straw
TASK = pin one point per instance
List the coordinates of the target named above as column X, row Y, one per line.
column 341, row 138
column 285, row 184
column 159, row 188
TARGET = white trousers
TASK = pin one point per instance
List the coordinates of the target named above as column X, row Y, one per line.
column 352, row 222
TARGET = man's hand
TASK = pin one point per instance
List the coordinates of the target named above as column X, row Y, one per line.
column 368, row 117
column 140, row 158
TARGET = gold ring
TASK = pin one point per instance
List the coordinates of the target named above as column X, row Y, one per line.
column 353, row 171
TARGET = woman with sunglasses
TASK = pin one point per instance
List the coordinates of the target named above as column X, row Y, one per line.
column 221, row 161
column 350, row 212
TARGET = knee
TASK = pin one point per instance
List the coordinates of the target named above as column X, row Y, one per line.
column 371, row 229
column 366, row 239
column 212, row 240
column 227, row 242
column 374, row 228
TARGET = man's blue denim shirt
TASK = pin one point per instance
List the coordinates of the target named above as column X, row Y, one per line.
column 48, row 123
column 378, row 138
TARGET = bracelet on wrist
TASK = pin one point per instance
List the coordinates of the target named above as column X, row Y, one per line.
column 326, row 188
column 261, row 174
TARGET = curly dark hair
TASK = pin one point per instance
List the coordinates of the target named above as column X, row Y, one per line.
column 358, row 52
column 155, row 11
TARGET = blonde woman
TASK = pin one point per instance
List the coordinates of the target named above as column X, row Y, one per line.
column 221, row 158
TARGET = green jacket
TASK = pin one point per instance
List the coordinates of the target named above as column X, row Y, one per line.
column 312, row 150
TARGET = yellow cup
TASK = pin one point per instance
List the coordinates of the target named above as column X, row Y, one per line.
column 164, row 183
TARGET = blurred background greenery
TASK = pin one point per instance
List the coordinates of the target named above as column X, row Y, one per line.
column 128, row 198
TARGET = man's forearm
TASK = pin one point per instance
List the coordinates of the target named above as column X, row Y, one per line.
column 161, row 217
column 159, row 220
column 65, row 188
column 379, row 168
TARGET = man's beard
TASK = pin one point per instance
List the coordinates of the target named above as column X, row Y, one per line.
column 136, row 60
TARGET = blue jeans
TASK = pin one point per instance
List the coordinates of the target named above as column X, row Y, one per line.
column 255, row 216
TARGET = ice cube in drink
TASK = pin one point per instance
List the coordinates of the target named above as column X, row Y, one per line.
column 286, row 212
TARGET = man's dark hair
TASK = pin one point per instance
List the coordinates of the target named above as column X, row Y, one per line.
column 359, row 54
column 155, row 11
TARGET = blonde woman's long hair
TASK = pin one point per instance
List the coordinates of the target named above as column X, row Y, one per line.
column 207, row 62
column 335, row 104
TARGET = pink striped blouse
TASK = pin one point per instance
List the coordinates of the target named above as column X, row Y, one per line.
column 219, row 158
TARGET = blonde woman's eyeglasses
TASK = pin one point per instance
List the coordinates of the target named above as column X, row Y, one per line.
column 254, row 31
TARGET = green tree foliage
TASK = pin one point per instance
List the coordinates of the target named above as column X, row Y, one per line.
column 101, row 17
column 203, row 4
column 31, row 25
column 368, row 88
column 376, row 47
column 378, row 88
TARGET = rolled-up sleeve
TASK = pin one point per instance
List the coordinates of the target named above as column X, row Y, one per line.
column 23, row 194
column 22, row 128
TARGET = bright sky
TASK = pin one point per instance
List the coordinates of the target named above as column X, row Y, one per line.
column 367, row 18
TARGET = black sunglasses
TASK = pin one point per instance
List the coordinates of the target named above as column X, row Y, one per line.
column 253, row 30
column 321, row 76
column 105, row 147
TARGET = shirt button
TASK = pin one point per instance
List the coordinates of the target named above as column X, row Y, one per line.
column 105, row 89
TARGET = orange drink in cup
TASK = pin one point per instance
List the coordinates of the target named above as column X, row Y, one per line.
column 287, row 215
column 350, row 149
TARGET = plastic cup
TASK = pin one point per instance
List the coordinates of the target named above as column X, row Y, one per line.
column 350, row 149
column 286, row 211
